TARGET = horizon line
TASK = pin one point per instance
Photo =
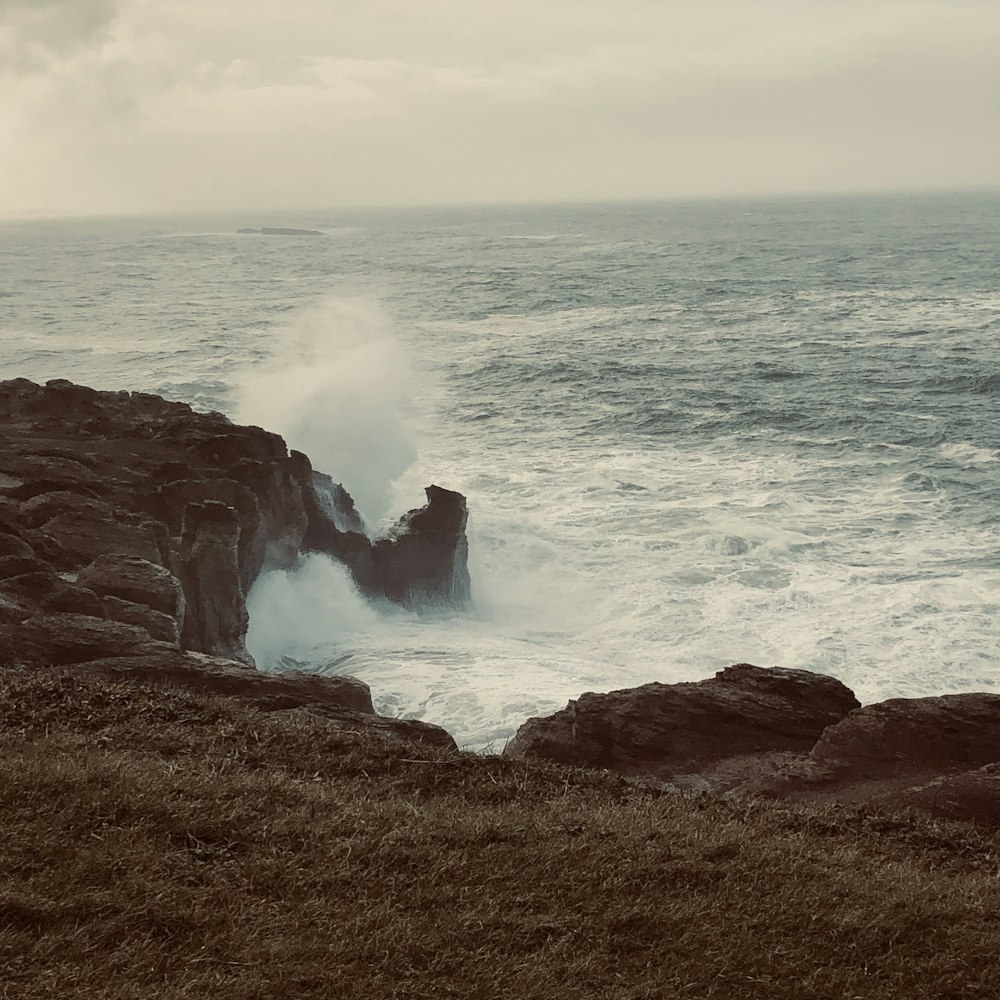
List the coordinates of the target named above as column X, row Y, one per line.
column 54, row 215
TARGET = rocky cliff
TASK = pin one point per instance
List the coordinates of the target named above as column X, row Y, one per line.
column 787, row 734
column 132, row 527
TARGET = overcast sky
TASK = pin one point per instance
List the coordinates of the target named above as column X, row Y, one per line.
column 113, row 106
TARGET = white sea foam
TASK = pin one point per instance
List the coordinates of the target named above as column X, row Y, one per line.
column 967, row 454
column 304, row 611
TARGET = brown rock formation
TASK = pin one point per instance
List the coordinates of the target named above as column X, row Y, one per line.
column 130, row 525
column 673, row 732
column 425, row 558
column 785, row 734
column 334, row 527
column 208, row 567
column 937, row 753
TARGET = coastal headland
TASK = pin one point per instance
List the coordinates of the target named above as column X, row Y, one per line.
column 180, row 823
column 132, row 529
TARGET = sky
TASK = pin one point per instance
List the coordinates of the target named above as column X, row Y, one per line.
column 123, row 106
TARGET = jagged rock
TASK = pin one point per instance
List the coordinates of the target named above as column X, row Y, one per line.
column 158, row 625
column 334, row 528
column 343, row 700
column 329, row 501
column 215, row 620
column 177, row 495
column 140, row 581
column 897, row 752
column 84, row 473
column 110, row 501
column 425, row 558
column 283, row 521
column 671, row 732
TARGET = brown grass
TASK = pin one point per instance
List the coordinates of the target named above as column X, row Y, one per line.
column 165, row 845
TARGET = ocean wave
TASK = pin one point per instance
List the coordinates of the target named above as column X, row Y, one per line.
column 977, row 383
column 968, row 454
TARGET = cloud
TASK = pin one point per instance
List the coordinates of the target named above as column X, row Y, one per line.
column 34, row 33
column 140, row 103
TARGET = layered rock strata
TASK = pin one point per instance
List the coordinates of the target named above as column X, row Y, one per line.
column 132, row 526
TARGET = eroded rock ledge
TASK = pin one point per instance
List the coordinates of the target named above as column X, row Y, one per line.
column 787, row 734
column 132, row 528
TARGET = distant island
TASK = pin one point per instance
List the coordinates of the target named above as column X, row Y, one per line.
column 280, row 231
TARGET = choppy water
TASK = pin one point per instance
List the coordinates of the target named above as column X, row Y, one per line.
column 690, row 434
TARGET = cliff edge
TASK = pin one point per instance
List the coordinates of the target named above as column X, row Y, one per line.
column 132, row 528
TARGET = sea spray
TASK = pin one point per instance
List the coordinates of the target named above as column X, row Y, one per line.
column 303, row 611
column 334, row 387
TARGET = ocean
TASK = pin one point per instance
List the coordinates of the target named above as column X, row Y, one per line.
column 690, row 434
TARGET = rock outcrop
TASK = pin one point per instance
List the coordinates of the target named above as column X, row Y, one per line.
column 346, row 701
column 132, row 525
column 786, row 734
column 425, row 558
column 940, row 753
column 674, row 732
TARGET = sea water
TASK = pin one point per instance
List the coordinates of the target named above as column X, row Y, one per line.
column 690, row 434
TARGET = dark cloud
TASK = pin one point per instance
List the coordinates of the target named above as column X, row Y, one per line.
column 33, row 32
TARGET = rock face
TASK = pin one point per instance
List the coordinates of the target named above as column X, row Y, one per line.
column 673, row 732
column 939, row 753
column 425, row 559
column 129, row 522
column 785, row 734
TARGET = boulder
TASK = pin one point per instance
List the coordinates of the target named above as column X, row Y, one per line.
column 674, row 733
column 786, row 734
column 905, row 751
column 909, row 737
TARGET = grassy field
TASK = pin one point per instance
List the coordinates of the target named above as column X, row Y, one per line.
column 164, row 845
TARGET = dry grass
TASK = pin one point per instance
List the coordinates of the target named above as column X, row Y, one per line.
column 165, row 845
